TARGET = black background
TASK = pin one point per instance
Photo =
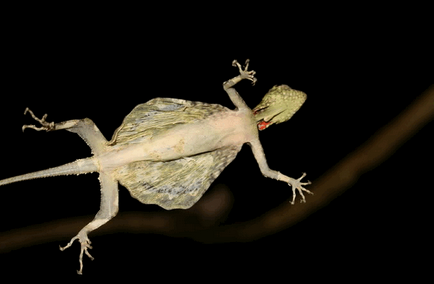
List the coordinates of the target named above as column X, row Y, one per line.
column 359, row 68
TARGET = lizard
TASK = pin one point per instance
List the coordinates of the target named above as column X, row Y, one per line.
column 169, row 151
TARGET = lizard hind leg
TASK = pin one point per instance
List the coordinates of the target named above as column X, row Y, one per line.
column 85, row 128
column 108, row 209
column 85, row 245
column 47, row 126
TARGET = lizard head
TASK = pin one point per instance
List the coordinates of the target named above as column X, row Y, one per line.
column 278, row 105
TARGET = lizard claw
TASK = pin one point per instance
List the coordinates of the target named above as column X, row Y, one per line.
column 245, row 74
column 85, row 245
column 47, row 126
column 297, row 184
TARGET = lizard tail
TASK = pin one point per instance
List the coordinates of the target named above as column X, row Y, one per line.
column 81, row 166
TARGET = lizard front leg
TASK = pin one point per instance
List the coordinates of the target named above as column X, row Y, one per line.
column 296, row 184
column 228, row 85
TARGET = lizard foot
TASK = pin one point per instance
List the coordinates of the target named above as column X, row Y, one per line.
column 47, row 126
column 85, row 245
column 245, row 74
column 297, row 184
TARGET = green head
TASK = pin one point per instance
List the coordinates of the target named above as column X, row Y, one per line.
column 278, row 105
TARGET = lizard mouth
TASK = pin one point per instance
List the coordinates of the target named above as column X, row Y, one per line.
column 264, row 117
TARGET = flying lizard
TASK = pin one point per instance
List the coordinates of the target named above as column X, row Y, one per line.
column 169, row 151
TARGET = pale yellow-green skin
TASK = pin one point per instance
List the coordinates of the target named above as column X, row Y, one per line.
column 171, row 155
column 279, row 105
column 169, row 151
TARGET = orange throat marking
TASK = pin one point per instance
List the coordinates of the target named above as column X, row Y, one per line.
column 262, row 125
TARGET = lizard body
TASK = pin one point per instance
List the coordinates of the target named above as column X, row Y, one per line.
column 223, row 129
column 169, row 151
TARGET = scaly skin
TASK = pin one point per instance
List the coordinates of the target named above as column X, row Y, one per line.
column 169, row 151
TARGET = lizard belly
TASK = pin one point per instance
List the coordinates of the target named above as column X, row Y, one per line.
column 222, row 130
column 173, row 144
column 185, row 140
